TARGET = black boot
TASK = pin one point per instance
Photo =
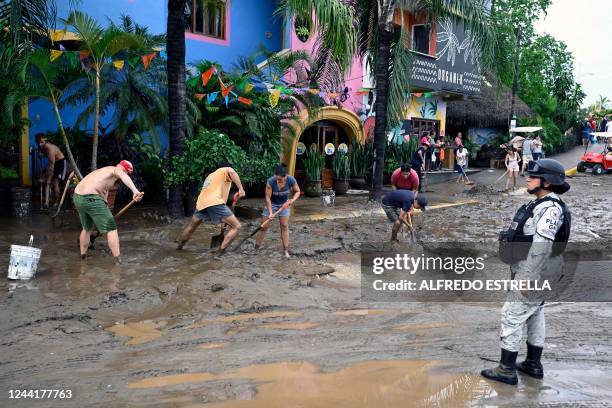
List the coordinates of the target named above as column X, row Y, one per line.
column 532, row 365
column 506, row 370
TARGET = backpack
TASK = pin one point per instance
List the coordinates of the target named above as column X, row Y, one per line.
column 514, row 245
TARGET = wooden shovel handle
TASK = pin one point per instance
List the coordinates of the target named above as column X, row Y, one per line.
column 68, row 180
column 284, row 207
column 124, row 209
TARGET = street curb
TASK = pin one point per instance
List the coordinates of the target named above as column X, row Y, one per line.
column 571, row 172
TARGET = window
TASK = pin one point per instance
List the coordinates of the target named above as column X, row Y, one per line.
column 420, row 38
column 208, row 18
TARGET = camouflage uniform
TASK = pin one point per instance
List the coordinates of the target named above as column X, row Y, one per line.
column 520, row 310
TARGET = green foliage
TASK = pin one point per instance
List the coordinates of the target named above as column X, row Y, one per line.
column 360, row 158
column 398, row 154
column 341, row 166
column 8, row 174
column 313, row 164
column 202, row 153
column 257, row 169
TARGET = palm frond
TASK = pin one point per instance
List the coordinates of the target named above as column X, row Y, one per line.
column 400, row 79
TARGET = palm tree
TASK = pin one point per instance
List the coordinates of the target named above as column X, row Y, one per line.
column 45, row 80
column 100, row 45
column 601, row 103
column 366, row 28
column 136, row 96
column 177, row 95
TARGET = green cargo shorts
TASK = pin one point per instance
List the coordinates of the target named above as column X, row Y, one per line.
column 94, row 211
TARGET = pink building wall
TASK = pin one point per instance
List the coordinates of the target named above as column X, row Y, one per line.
column 353, row 79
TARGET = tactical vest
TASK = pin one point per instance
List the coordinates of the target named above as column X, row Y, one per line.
column 514, row 245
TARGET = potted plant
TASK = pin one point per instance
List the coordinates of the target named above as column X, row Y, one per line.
column 358, row 164
column 313, row 167
column 342, row 172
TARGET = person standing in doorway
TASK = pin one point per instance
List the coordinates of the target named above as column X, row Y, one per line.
column 278, row 189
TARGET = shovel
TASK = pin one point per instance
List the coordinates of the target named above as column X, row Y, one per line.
column 95, row 234
column 217, row 240
column 59, row 207
column 468, row 182
column 264, row 224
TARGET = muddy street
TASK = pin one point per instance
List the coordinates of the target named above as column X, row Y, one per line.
column 170, row 328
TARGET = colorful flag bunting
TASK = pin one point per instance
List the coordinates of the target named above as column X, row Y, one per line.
column 246, row 101
column 55, row 54
column 418, row 94
column 199, row 97
column 163, row 55
column 314, row 91
column 248, row 87
column 274, row 96
column 226, row 101
column 206, row 75
column 212, row 97
column 118, row 64
column 225, row 90
column 62, row 48
column 133, row 61
column 146, row 59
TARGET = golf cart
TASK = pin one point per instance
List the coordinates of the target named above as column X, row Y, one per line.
column 598, row 162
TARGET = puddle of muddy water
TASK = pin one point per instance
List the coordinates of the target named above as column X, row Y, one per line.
column 212, row 346
column 364, row 312
column 421, row 326
column 140, row 332
column 245, row 317
column 367, row 384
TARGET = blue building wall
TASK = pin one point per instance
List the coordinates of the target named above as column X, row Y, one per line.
column 251, row 24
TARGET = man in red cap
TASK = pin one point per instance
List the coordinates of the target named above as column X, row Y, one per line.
column 90, row 199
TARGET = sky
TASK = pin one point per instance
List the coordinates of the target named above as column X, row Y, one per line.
column 586, row 27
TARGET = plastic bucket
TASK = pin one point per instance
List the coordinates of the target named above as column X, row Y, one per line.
column 24, row 261
column 328, row 197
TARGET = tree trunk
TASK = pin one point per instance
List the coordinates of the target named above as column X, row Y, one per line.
column 177, row 95
column 66, row 144
column 380, row 109
column 96, row 126
column 517, row 72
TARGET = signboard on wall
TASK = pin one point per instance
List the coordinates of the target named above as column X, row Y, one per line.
column 454, row 67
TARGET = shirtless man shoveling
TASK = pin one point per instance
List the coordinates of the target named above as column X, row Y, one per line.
column 57, row 167
column 90, row 198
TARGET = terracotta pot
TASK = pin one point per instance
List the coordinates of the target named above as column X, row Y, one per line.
column 341, row 186
column 358, row 183
column 313, row 188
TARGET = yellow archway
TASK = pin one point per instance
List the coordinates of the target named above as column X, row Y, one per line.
column 292, row 130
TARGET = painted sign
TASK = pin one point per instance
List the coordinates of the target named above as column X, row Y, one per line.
column 455, row 67
column 329, row 149
column 343, row 148
column 301, row 148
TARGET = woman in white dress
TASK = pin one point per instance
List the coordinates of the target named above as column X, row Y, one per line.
column 512, row 159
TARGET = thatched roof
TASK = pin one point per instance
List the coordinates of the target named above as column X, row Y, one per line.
column 490, row 109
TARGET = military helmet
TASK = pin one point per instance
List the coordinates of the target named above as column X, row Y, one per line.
column 550, row 170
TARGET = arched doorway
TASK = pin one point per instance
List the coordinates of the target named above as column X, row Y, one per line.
column 331, row 125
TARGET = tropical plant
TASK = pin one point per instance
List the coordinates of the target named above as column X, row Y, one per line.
column 314, row 162
column 366, row 28
column 202, row 153
column 341, row 166
column 98, row 46
column 134, row 96
column 359, row 159
column 46, row 80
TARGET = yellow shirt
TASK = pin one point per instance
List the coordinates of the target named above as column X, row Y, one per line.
column 215, row 189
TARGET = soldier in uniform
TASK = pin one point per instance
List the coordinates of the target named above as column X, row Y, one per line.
column 536, row 240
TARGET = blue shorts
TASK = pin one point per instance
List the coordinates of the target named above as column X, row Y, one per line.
column 214, row 213
column 275, row 208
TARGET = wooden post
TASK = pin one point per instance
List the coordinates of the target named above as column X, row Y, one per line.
column 24, row 147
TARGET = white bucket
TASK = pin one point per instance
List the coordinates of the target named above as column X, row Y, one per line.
column 24, row 261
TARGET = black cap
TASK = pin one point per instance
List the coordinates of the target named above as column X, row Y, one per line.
column 422, row 202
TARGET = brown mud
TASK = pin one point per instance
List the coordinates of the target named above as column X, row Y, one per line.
column 174, row 328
